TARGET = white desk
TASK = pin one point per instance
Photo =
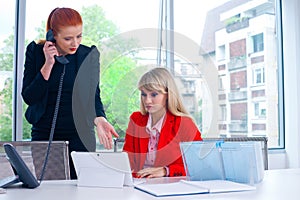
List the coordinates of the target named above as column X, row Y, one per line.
column 277, row 185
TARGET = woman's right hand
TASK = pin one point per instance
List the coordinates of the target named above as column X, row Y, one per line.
column 49, row 51
column 152, row 172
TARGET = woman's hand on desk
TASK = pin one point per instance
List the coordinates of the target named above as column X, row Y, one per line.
column 105, row 131
column 153, row 172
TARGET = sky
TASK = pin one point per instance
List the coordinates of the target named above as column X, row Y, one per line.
column 127, row 14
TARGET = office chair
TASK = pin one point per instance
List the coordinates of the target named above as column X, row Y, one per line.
column 33, row 153
column 118, row 144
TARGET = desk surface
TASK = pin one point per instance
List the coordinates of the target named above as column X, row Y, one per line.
column 277, row 185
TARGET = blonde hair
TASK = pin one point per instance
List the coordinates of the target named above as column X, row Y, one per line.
column 159, row 79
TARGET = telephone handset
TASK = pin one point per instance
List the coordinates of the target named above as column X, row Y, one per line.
column 61, row 59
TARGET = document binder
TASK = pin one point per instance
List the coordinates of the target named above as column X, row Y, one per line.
column 243, row 162
column 203, row 161
column 218, row 160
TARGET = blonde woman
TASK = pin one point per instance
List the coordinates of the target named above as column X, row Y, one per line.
column 154, row 133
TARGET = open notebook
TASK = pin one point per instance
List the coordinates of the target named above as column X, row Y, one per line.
column 184, row 187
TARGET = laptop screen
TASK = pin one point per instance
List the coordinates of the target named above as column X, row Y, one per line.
column 103, row 169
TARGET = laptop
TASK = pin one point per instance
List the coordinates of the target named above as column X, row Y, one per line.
column 102, row 169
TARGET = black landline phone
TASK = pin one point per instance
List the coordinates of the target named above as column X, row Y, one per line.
column 61, row 59
column 22, row 172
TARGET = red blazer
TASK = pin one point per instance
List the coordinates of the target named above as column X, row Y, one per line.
column 174, row 130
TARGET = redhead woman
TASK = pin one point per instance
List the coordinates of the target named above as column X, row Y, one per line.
column 78, row 110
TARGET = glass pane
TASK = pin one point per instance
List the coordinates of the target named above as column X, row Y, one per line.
column 7, row 20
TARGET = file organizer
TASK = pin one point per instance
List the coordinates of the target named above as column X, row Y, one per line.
column 202, row 161
column 218, row 160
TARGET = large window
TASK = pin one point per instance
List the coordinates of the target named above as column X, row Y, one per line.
column 212, row 42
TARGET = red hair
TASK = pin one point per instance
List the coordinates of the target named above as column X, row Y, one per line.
column 62, row 17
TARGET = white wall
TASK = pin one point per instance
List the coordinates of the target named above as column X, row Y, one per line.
column 291, row 48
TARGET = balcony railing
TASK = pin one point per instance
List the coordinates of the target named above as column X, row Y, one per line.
column 237, row 25
column 240, row 95
column 238, row 126
column 237, row 62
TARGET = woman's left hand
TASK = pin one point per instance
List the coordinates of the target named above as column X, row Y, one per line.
column 105, row 131
column 152, row 172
